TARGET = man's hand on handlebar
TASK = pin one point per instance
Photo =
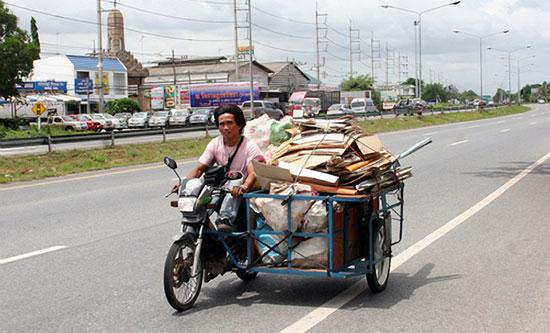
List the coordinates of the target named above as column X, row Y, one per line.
column 238, row 190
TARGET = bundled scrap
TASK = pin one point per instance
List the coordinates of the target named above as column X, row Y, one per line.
column 333, row 156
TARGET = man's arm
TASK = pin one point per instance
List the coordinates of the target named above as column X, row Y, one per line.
column 197, row 171
column 248, row 182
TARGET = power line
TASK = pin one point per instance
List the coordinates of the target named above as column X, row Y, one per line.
column 166, row 15
column 125, row 28
column 281, row 17
column 282, row 49
column 336, row 31
column 279, row 32
column 339, row 45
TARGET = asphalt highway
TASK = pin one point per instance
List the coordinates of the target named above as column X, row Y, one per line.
column 474, row 255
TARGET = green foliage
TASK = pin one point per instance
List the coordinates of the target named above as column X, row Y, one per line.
column 361, row 82
column 435, row 91
column 123, row 105
column 34, row 34
column 468, row 95
column 17, row 52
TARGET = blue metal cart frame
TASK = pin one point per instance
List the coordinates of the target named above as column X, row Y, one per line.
column 390, row 201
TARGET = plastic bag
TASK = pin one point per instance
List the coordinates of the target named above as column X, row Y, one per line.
column 265, row 241
column 258, row 130
column 316, row 218
column 276, row 215
column 278, row 131
column 311, row 253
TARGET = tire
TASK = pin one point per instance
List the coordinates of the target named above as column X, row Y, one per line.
column 378, row 278
column 246, row 276
column 177, row 276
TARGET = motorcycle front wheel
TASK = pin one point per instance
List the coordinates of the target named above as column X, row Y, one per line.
column 182, row 289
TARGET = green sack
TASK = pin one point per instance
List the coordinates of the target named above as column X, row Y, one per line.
column 278, row 132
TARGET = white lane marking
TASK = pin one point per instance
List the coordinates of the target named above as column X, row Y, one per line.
column 31, row 254
column 501, row 121
column 458, row 143
column 329, row 307
column 475, row 126
column 532, row 123
column 504, row 130
column 89, row 177
column 431, row 133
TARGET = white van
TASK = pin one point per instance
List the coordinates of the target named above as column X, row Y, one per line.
column 363, row 106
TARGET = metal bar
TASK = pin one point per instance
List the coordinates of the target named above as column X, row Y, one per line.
column 249, row 229
column 330, row 238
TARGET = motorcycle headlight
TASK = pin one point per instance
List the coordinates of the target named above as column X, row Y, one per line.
column 187, row 204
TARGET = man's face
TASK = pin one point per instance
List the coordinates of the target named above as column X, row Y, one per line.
column 228, row 126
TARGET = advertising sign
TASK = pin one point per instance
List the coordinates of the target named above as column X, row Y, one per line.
column 214, row 94
column 157, row 98
column 80, row 86
column 105, row 83
column 184, row 97
column 169, row 97
column 50, row 85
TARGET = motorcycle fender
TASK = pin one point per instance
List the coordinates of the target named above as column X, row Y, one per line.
column 187, row 232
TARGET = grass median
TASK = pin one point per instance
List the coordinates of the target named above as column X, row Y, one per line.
column 58, row 163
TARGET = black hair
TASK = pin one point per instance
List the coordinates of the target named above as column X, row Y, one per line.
column 235, row 111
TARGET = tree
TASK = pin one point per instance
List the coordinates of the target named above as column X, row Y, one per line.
column 468, row 95
column 123, row 105
column 435, row 91
column 34, row 34
column 361, row 82
column 17, row 52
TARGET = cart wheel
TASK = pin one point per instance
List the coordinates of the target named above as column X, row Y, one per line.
column 378, row 278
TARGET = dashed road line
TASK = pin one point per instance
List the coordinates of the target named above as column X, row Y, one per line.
column 31, row 254
column 458, row 143
column 504, row 130
column 532, row 123
column 474, row 126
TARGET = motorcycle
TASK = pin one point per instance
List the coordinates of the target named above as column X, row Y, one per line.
column 201, row 252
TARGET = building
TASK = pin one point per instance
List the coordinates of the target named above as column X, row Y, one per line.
column 82, row 77
column 116, row 48
column 286, row 77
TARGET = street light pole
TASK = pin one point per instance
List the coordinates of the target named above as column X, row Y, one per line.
column 509, row 52
column 480, row 53
column 419, row 22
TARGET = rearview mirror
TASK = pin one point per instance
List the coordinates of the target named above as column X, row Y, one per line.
column 170, row 163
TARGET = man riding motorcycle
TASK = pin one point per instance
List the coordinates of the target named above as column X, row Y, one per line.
column 234, row 149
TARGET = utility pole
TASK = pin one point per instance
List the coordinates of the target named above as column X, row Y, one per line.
column 375, row 52
column 372, row 55
column 100, row 57
column 398, row 68
column 250, row 51
column 174, row 68
column 236, row 41
column 317, row 43
column 351, row 44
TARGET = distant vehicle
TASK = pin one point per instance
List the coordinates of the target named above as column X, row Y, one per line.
column 107, row 124
column 490, row 103
column 541, row 101
column 407, row 107
column 346, row 97
column 139, row 119
column 338, row 110
column 260, row 108
column 92, row 125
column 311, row 106
column 363, row 106
column 123, row 118
column 67, row 123
column 202, row 116
column 115, row 121
column 159, row 119
column 180, row 117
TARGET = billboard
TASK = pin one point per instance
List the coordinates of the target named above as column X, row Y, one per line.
column 170, row 97
column 214, row 94
column 157, row 98
column 80, row 86
column 50, row 85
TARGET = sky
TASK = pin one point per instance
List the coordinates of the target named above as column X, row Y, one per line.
column 285, row 30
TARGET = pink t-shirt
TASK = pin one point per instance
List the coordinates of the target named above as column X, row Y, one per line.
column 217, row 152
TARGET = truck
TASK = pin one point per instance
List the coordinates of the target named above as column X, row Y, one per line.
column 21, row 107
column 312, row 102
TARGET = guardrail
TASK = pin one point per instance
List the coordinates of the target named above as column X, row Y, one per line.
column 113, row 135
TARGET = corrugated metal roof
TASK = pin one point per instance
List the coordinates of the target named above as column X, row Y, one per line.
column 90, row 63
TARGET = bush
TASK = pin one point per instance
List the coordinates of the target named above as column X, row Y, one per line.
column 123, row 105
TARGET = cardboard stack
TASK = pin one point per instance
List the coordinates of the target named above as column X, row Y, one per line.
column 332, row 156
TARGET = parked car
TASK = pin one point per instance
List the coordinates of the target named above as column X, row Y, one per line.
column 159, row 119
column 202, row 116
column 363, row 106
column 123, row 118
column 116, row 124
column 67, row 123
column 139, row 119
column 180, row 117
column 92, row 125
column 408, row 106
column 260, row 108
column 338, row 110
column 105, row 123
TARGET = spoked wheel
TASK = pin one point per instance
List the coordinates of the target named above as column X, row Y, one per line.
column 378, row 278
column 180, row 287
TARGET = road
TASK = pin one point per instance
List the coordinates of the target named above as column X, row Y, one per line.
column 474, row 255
